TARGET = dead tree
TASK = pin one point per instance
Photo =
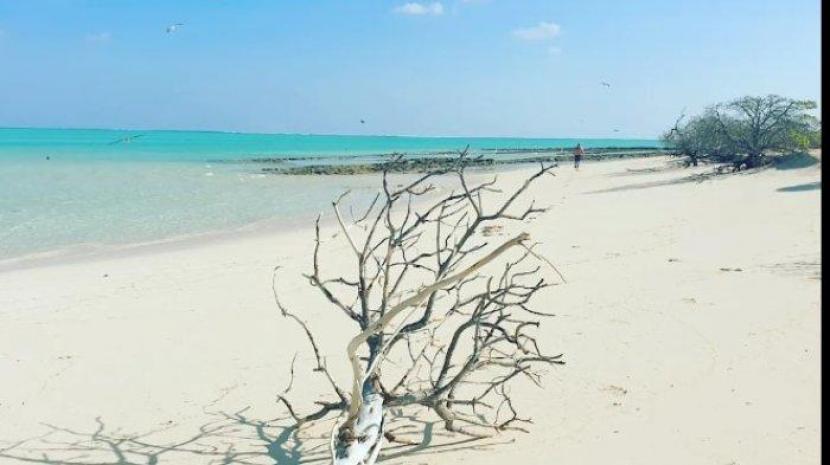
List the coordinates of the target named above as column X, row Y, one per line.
column 429, row 289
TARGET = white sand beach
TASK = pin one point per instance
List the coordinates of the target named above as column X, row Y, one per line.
column 690, row 326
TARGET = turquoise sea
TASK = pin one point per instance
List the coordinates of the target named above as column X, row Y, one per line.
column 81, row 189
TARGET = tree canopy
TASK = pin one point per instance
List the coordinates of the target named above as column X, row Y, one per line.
column 746, row 131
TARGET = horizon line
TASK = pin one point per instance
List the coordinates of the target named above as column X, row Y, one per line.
column 257, row 133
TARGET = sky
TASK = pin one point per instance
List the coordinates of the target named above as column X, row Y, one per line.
column 525, row 68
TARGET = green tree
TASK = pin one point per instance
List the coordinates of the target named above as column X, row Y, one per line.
column 746, row 131
column 756, row 126
column 698, row 139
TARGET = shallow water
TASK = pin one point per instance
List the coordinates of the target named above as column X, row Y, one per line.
column 109, row 187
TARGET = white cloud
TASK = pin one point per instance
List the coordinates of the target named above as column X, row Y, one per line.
column 420, row 9
column 542, row 31
column 99, row 37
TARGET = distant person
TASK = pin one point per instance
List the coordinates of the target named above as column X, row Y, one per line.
column 579, row 152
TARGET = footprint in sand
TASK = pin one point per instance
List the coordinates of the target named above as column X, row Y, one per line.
column 616, row 390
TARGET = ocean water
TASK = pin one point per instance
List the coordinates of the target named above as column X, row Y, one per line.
column 78, row 189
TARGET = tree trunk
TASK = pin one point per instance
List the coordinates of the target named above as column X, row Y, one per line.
column 360, row 442
column 754, row 160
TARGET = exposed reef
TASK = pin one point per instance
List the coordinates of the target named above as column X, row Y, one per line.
column 437, row 163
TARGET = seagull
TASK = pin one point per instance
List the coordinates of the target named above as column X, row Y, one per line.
column 362, row 122
column 616, row 130
column 605, row 84
column 173, row 27
column 126, row 140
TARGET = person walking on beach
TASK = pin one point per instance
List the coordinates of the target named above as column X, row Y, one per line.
column 578, row 153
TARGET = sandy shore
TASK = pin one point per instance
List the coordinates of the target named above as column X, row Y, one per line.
column 690, row 326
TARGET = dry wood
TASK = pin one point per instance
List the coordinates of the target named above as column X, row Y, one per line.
column 421, row 256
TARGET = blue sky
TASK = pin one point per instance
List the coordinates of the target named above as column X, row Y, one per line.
column 455, row 67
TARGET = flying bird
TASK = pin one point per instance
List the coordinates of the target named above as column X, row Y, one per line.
column 174, row 27
column 605, row 84
column 362, row 122
column 616, row 130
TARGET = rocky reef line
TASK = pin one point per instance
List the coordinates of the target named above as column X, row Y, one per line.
column 436, row 163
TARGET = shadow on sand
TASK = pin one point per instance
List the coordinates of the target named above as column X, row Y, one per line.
column 697, row 178
column 810, row 186
column 669, row 166
column 785, row 162
column 228, row 438
column 795, row 161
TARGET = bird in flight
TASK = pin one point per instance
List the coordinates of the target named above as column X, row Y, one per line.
column 126, row 140
column 362, row 122
column 616, row 130
column 174, row 27
column 605, row 84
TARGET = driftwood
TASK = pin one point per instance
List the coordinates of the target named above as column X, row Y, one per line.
column 424, row 289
